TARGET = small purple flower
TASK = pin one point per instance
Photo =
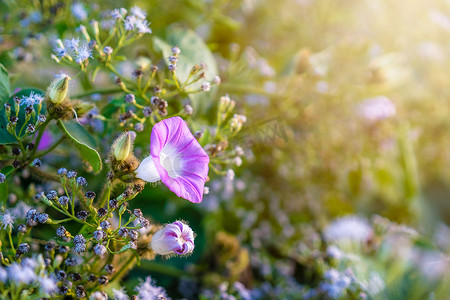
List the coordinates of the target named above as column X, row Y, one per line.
column 177, row 159
column 175, row 238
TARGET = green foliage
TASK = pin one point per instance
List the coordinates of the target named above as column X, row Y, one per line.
column 87, row 153
column 193, row 51
column 5, row 89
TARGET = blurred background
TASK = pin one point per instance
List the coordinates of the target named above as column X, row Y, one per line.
column 342, row 191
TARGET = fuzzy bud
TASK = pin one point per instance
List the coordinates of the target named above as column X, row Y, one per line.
column 122, row 147
column 99, row 249
column 99, row 235
column 57, row 90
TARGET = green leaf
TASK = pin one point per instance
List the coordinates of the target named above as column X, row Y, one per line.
column 87, row 153
column 81, row 134
column 109, row 109
column 5, row 89
column 193, row 52
column 5, row 136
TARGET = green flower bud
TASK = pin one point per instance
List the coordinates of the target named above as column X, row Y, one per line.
column 123, row 145
column 122, row 209
column 57, row 90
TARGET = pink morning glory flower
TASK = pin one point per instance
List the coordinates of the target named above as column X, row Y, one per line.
column 177, row 159
column 175, row 238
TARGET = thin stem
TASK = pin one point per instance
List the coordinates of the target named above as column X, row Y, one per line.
column 106, row 195
column 72, row 217
column 11, row 241
column 52, row 147
column 61, row 221
column 123, row 268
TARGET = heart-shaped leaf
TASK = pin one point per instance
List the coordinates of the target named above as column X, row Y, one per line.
column 87, row 153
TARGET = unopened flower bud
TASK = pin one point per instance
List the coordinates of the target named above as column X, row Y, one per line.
column 7, row 110
column 99, row 235
column 216, row 80
column 40, row 119
column 198, row 134
column 172, row 67
column 99, row 249
column 105, row 225
column 95, row 29
column 206, row 86
column 188, row 110
column 176, row 50
column 63, row 200
column 122, row 147
column 139, row 127
column 108, row 50
column 175, row 238
column 130, row 98
column 23, row 248
column 57, row 90
column 30, row 129
column 62, row 232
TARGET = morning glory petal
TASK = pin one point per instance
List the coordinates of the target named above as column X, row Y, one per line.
column 178, row 158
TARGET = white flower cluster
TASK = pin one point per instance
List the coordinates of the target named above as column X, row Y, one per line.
column 32, row 99
column 135, row 21
column 73, row 49
column 30, row 271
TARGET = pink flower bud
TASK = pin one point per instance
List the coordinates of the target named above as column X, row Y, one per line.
column 175, row 238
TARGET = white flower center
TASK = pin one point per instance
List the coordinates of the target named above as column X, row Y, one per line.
column 170, row 161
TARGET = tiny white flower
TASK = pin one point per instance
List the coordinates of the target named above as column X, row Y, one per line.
column 78, row 11
column 129, row 23
column 83, row 54
column 142, row 26
column 32, row 99
column 72, row 44
column 206, row 86
column 138, row 12
column 19, row 274
column 117, row 13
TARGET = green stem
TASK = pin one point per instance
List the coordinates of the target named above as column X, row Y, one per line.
column 106, row 195
column 61, row 221
column 123, row 268
column 72, row 217
column 52, row 147
column 11, row 241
